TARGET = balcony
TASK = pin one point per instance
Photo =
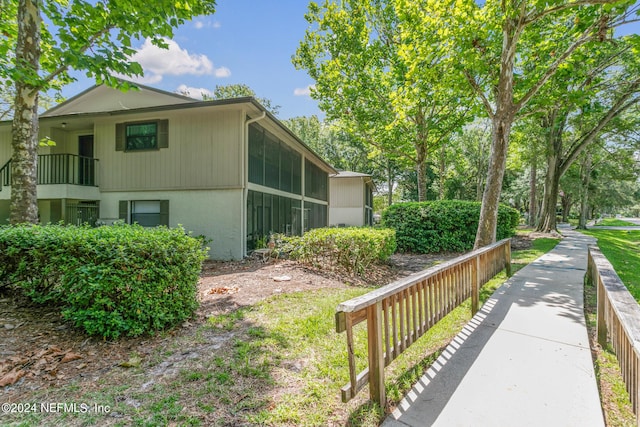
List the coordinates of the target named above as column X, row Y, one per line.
column 60, row 176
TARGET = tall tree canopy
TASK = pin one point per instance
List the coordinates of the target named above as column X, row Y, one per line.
column 239, row 90
column 585, row 99
column 508, row 50
column 373, row 79
column 95, row 37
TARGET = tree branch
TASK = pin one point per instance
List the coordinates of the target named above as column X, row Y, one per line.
column 478, row 90
column 536, row 17
column 621, row 105
column 64, row 67
column 585, row 37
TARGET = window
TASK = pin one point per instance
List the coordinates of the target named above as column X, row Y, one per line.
column 315, row 215
column 269, row 213
column 256, row 155
column 273, row 163
column 147, row 213
column 142, row 136
column 315, row 181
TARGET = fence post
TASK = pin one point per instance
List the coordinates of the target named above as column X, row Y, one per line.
column 507, row 257
column 475, row 288
column 376, row 354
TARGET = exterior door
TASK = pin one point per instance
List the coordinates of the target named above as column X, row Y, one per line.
column 86, row 168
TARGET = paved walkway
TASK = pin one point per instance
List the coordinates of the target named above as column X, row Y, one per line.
column 523, row 360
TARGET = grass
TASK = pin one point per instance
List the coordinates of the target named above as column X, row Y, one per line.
column 622, row 249
column 614, row 222
column 279, row 362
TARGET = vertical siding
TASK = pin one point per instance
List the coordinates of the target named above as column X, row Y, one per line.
column 347, row 192
column 204, row 152
column 5, row 144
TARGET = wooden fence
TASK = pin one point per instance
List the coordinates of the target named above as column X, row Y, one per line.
column 401, row 312
column 618, row 321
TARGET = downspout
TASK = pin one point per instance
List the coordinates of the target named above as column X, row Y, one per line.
column 245, row 173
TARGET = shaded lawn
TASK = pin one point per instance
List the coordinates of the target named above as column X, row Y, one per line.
column 280, row 362
column 622, row 249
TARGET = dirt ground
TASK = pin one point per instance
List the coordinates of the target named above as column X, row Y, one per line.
column 38, row 349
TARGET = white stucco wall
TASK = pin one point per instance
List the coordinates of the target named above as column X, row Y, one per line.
column 348, row 216
column 216, row 214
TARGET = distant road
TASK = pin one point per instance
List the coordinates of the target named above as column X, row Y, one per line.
column 632, row 220
column 636, row 221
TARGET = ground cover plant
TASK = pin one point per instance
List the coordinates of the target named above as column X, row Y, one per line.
column 275, row 362
column 443, row 225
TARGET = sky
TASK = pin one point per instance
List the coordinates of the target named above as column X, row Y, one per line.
column 245, row 41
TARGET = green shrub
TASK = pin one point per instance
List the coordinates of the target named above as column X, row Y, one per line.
column 444, row 225
column 110, row 281
column 29, row 257
column 351, row 249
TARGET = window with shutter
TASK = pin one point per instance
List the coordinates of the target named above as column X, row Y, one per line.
column 142, row 136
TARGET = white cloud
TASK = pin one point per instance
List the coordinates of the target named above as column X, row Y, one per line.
column 158, row 62
column 222, row 72
column 303, row 91
column 207, row 24
column 193, row 92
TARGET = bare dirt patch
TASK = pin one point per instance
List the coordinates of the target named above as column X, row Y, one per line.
column 38, row 349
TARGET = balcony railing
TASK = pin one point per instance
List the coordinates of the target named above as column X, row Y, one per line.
column 60, row 169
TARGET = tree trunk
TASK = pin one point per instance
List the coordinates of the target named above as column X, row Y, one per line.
column 421, row 169
column 480, row 169
column 389, row 183
column 488, row 222
column 566, row 206
column 24, row 200
column 584, row 202
column 555, row 122
column 547, row 222
column 501, row 122
column 443, row 165
column 533, row 203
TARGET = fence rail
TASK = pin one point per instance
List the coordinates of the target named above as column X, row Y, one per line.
column 618, row 321
column 401, row 312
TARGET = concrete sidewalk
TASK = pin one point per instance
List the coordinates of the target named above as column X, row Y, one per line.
column 523, row 360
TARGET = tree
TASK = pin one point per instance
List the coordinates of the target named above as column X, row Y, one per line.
column 608, row 171
column 341, row 150
column 510, row 50
column 92, row 36
column 378, row 84
column 597, row 91
column 239, row 90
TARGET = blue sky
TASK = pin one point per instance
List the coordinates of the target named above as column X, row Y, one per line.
column 245, row 41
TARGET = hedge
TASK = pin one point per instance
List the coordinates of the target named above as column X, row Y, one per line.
column 110, row 281
column 351, row 249
column 443, row 225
